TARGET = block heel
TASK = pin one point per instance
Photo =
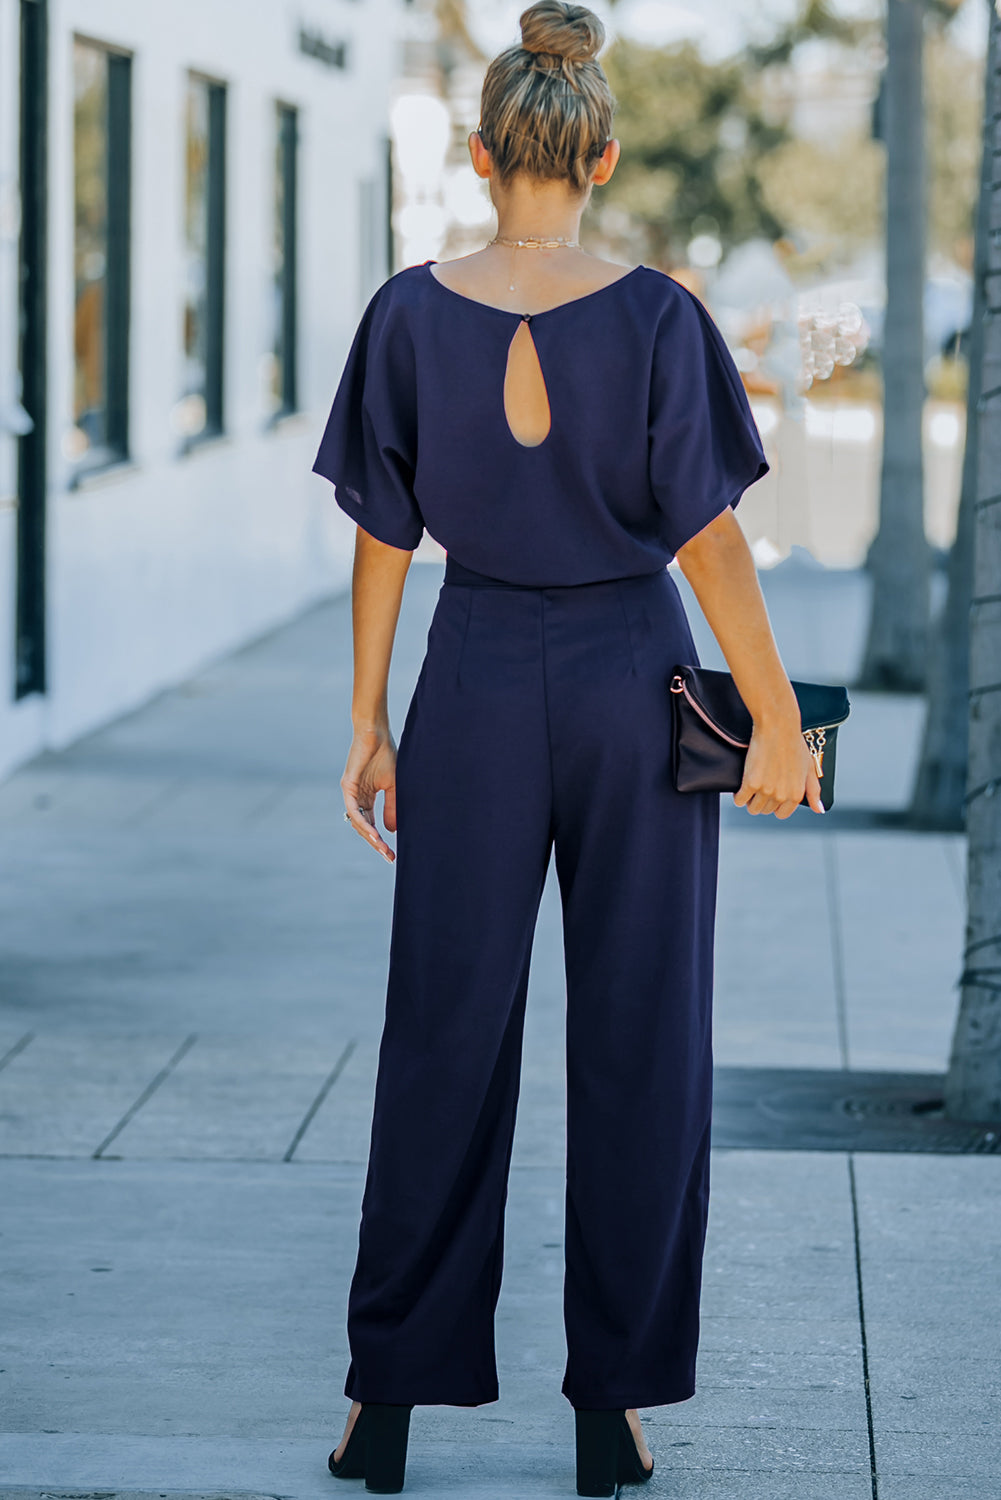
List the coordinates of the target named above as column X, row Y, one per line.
column 607, row 1455
column 377, row 1449
column 597, row 1451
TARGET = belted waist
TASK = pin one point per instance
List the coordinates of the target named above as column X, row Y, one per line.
column 456, row 572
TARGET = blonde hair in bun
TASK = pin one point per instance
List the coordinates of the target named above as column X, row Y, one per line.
column 546, row 107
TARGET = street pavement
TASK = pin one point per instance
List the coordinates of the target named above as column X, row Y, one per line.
column 192, row 970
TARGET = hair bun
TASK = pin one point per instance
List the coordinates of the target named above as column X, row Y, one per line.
column 569, row 31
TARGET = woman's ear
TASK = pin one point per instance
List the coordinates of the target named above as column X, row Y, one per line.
column 607, row 163
column 478, row 154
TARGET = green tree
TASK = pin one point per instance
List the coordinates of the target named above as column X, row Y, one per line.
column 814, row 18
column 692, row 134
column 833, row 194
column 705, row 143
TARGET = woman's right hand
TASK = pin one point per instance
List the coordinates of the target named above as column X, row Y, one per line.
column 370, row 769
column 778, row 772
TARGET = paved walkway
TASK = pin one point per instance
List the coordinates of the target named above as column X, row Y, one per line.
column 192, row 966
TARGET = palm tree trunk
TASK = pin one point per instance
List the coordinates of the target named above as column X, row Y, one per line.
column 938, row 800
column 973, row 1083
column 900, row 558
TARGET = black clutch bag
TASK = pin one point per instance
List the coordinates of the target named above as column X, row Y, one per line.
column 711, row 730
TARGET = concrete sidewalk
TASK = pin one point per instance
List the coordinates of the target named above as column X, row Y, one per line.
column 192, row 976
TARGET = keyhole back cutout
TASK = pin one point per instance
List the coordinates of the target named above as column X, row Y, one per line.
column 526, row 400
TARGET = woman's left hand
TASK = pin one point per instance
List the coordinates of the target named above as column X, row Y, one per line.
column 370, row 769
column 778, row 773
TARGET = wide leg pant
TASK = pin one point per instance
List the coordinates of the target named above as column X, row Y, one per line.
column 540, row 719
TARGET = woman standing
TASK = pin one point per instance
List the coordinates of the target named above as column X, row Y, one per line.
column 563, row 426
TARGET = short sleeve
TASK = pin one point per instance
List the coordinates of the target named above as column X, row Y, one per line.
column 368, row 450
column 704, row 445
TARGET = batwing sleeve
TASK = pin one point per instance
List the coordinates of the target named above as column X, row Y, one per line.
column 704, row 445
column 368, row 450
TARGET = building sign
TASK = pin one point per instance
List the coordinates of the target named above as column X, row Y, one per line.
column 313, row 44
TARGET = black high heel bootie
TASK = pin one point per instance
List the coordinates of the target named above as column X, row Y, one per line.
column 607, row 1455
column 377, row 1449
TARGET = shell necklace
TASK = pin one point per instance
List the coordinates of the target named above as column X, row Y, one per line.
column 534, row 242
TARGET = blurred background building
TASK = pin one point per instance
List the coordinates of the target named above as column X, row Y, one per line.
column 193, row 210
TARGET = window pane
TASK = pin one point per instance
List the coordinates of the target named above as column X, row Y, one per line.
column 278, row 262
column 196, row 218
column 283, row 396
column 200, row 410
column 90, row 177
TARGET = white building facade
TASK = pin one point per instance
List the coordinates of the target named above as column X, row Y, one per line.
column 194, row 208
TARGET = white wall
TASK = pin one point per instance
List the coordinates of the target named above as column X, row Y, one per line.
column 156, row 567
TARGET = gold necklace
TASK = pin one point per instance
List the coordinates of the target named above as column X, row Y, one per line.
column 533, row 242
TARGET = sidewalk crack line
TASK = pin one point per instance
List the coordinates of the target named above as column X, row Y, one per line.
column 862, row 1332
column 148, row 1091
column 328, row 1084
column 18, row 1046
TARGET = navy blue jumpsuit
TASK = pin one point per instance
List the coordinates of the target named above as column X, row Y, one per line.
column 540, row 721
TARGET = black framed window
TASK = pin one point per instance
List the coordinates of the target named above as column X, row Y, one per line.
column 102, row 142
column 32, row 343
column 283, row 385
column 201, row 407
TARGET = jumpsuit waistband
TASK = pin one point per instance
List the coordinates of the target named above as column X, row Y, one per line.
column 456, row 572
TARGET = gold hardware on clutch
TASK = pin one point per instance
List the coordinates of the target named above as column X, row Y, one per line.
column 677, row 683
column 816, row 739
